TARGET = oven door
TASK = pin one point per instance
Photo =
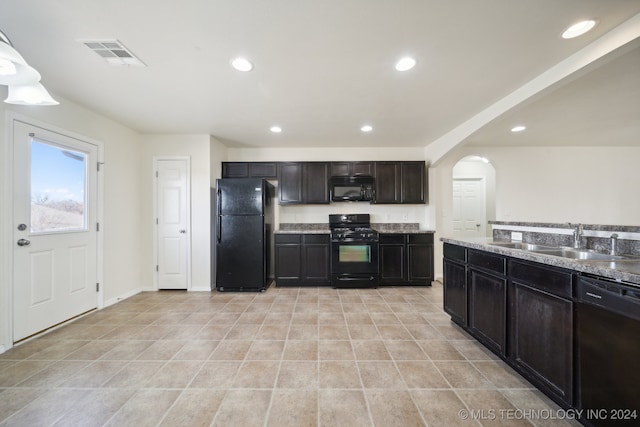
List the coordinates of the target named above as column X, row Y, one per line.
column 354, row 263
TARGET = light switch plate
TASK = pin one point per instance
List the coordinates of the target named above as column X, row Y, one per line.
column 516, row 236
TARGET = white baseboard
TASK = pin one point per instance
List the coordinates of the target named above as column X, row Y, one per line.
column 206, row 288
column 122, row 297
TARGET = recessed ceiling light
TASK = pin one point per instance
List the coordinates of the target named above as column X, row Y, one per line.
column 518, row 128
column 275, row 129
column 366, row 128
column 242, row 64
column 405, row 63
column 578, row 29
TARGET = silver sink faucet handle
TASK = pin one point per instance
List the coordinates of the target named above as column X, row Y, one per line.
column 614, row 244
column 577, row 235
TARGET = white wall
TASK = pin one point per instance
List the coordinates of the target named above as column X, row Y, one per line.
column 219, row 154
column 592, row 185
column 197, row 148
column 122, row 219
column 319, row 213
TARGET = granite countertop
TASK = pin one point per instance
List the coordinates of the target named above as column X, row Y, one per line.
column 626, row 270
column 323, row 228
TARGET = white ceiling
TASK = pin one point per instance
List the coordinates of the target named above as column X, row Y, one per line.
column 600, row 106
column 322, row 68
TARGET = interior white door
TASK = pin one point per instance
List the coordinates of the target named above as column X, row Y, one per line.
column 469, row 216
column 54, row 219
column 173, row 223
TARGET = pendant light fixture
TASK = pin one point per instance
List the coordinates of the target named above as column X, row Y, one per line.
column 21, row 78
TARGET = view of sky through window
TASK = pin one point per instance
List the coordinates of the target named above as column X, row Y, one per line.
column 58, row 182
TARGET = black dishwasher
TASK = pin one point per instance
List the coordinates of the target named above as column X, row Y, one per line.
column 608, row 324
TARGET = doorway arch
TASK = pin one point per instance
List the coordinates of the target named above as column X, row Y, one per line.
column 473, row 197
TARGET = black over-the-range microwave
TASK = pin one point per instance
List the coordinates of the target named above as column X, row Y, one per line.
column 359, row 188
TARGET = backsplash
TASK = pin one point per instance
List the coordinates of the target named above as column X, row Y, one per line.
column 384, row 226
column 595, row 237
column 306, row 226
column 395, row 226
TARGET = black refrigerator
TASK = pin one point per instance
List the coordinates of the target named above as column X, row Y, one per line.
column 244, row 221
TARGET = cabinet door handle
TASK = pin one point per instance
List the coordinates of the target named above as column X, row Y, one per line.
column 594, row 295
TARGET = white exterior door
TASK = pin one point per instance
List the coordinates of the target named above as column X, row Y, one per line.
column 172, row 195
column 54, row 228
column 469, row 215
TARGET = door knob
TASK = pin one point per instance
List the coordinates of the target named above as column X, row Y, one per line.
column 23, row 242
column 183, row 231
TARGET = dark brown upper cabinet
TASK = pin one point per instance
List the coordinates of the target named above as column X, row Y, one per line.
column 352, row 168
column 414, row 181
column 397, row 182
column 388, row 182
column 303, row 182
column 400, row 182
column 267, row 170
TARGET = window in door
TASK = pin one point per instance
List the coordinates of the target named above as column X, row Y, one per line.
column 58, row 188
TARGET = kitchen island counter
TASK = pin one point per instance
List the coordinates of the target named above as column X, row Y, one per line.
column 624, row 270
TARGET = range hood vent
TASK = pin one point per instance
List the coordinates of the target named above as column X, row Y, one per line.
column 114, row 52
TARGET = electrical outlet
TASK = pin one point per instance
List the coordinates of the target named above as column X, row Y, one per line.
column 516, row 236
column 405, row 217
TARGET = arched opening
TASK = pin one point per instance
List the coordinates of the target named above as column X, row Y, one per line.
column 474, row 200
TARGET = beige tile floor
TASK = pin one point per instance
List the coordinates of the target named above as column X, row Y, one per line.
column 285, row 357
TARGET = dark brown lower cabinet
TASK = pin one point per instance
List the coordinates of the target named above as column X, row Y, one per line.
column 542, row 346
column 521, row 310
column 487, row 299
column 487, row 309
column 420, row 259
column 541, row 327
column 406, row 259
column 302, row 260
column 455, row 282
column 393, row 259
column 455, row 291
column 315, row 258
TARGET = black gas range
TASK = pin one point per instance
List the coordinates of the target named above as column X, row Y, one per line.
column 354, row 251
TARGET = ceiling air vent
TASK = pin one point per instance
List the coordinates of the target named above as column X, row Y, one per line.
column 113, row 52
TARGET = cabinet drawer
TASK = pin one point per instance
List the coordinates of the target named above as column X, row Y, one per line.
column 455, row 252
column 421, row 238
column 288, row 238
column 487, row 261
column 316, row 238
column 391, row 239
column 554, row 281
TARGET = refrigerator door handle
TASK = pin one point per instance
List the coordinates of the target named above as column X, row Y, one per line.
column 219, row 215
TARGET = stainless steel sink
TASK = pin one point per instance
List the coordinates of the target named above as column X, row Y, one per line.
column 571, row 253
column 523, row 246
column 578, row 254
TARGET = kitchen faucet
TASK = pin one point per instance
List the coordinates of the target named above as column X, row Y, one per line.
column 614, row 244
column 577, row 234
